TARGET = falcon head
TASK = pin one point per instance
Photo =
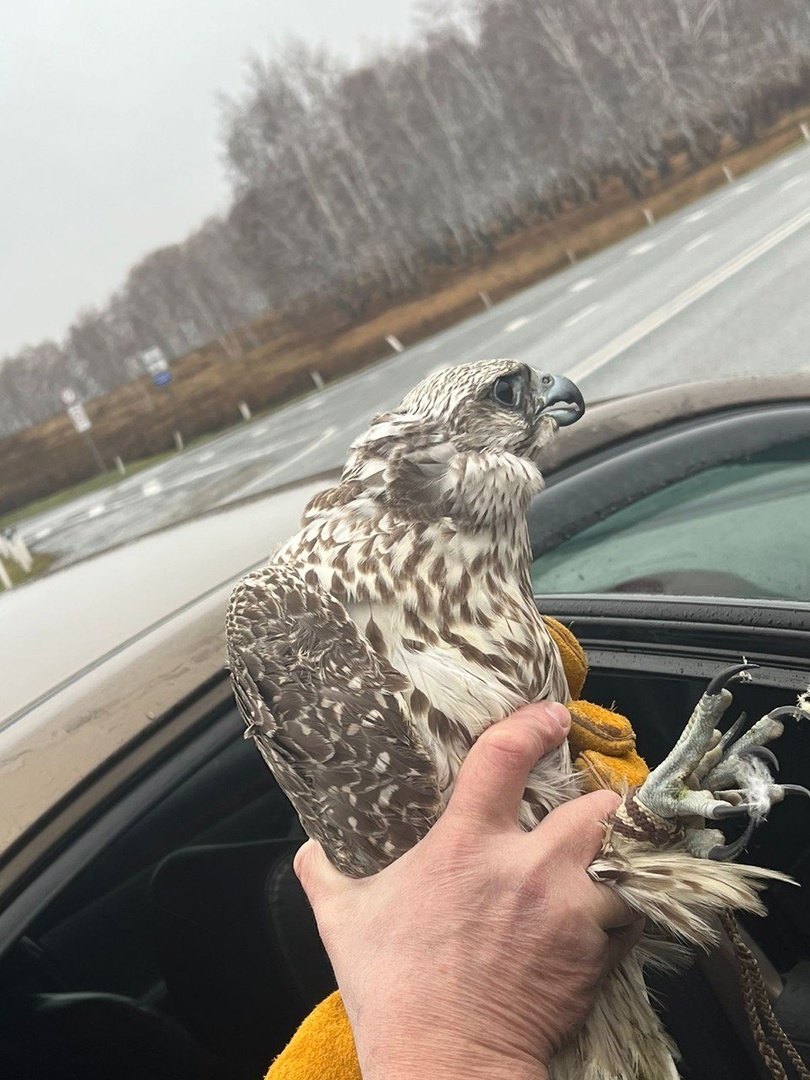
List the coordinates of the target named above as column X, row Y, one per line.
column 497, row 405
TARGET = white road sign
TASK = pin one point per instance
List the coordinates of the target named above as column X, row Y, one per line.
column 79, row 418
column 67, row 395
column 154, row 360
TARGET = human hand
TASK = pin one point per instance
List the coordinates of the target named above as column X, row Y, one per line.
column 478, row 952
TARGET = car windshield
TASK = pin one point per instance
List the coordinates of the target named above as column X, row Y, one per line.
column 235, row 232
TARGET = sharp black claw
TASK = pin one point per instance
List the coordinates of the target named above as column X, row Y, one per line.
column 730, row 675
column 737, row 729
column 722, row 812
column 795, row 789
column 726, row 852
column 761, row 752
column 793, row 711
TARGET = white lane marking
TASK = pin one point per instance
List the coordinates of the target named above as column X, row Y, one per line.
column 580, row 315
column 261, row 483
column 679, row 303
column 740, row 189
column 788, row 184
column 257, row 432
column 516, row 324
column 784, row 163
column 151, row 487
column 42, row 533
column 697, row 241
column 228, row 466
column 583, row 283
column 314, row 404
column 96, row 511
column 661, row 237
column 206, row 455
column 642, row 249
column 697, row 216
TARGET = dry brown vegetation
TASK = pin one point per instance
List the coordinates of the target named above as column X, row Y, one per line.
column 138, row 420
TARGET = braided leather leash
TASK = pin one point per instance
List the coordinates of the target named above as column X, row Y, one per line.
column 769, row 1036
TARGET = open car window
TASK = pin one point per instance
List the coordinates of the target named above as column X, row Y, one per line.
column 735, row 530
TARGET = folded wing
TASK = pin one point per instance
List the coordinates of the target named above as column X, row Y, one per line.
column 329, row 717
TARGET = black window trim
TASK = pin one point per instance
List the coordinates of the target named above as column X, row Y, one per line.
column 688, row 635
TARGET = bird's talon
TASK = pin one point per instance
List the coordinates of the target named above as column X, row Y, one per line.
column 727, row 852
column 792, row 789
column 721, row 811
column 710, row 776
column 793, row 711
column 738, row 673
column 737, row 729
column 761, row 752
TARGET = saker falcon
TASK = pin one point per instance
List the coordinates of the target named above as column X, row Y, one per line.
column 386, row 635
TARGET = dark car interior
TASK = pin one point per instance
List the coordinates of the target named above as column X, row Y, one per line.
column 186, row 948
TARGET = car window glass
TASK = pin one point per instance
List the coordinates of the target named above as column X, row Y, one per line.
column 736, row 530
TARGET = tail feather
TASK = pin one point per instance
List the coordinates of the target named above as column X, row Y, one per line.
column 623, row 1038
column 681, row 897
column 678, row 893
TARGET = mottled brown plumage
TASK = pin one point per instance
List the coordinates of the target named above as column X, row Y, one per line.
column 387, row 634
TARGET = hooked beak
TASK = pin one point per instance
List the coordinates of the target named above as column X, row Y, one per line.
column 560, row 399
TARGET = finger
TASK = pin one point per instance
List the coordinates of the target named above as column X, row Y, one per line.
column 623, row 939
column 607, row 909
column 492, row 780
column 578, row 826
column 575, row 831
column 316, row 874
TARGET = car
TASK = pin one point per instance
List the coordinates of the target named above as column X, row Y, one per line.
column 150, row 922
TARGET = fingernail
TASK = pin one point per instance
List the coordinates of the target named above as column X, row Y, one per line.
column 560, row 714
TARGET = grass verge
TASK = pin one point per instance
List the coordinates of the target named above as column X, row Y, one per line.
column 41, row 564
column 85, row 487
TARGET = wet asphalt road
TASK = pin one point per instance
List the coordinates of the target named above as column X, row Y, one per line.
column 718, row 288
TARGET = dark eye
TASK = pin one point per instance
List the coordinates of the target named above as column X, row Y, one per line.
column 506, row 390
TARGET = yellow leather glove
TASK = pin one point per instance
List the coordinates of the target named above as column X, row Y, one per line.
column 321, row 1049
column 602, row 742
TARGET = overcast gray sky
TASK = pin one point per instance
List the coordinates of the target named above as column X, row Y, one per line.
column 108, row 132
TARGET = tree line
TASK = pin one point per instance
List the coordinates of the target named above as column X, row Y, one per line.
column 347, row 180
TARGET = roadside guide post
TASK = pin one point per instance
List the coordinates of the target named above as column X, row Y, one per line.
column 13, row 547
column 81, row 422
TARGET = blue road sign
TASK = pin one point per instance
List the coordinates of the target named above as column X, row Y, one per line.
column 161, row 378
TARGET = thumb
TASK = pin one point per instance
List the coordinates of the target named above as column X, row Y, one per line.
column 317, row 875
column 492, row 780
